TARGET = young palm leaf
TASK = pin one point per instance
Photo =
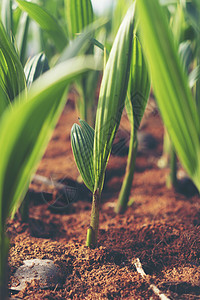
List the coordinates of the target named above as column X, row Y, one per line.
column 137, row 96
column 110, row 106
column 112, row 96
column 92, row 161
column 82, row 140
column 170, row 83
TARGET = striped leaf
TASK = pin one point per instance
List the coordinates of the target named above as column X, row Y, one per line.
column 79, row 14
column 82, row 140
column 139, row 86
column 36, row 66
column 22, row 36
column 112, row 96
column 46, row 21
column 4, row 102
column 170, row 85
column 7, row 15
column 12, row 78
column 194, row 76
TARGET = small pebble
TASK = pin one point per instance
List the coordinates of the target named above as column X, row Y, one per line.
column 44, row 271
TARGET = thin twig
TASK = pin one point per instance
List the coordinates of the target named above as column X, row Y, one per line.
column 154, row 288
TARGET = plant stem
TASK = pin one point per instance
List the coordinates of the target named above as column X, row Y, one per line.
column 4, row 248
column 128, row 179
column 163, row 162
column 172, row 179
column 173, row 165
column 92, row 233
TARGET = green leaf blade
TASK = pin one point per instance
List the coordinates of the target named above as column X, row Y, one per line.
column 46, row 22
column 139, row 85
column 82, row 140
column 36, row 66
column 112, row 96
column 12, row 75
column 33, row 122
column 170, row 85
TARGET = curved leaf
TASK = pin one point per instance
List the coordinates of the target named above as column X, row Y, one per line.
column 4, row 100
column 139, row 86
column 112, row 96
column 170, row 83
column 12, row 78
column 82, row 140
column 30, row 124
column 46, row 22
column 22, row 35
column 194, row 76
column 36, row 66
column 7, row 15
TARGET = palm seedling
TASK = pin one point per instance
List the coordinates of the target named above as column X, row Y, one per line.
column 92, row 148
column 137, row 96
column 178, row 107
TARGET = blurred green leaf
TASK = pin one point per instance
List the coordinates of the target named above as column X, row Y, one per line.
column 186, row 55
column 22, row 36
column 30, row 124
column 36, row 66
column 82, row 42
column 4, row 102
column 194, row 76
column 7, row 16
column 170, row 85
column 79, row 14
column 46, row 22
column 12, row 78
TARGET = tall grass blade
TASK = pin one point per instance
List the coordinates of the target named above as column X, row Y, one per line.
column 170, row 85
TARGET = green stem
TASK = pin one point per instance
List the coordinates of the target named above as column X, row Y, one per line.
column 172, row 179
column 4, row 248
column 128, row 179
column 163, row 162
column 92, row 233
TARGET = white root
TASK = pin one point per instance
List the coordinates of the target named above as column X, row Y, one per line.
column 154, row 288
